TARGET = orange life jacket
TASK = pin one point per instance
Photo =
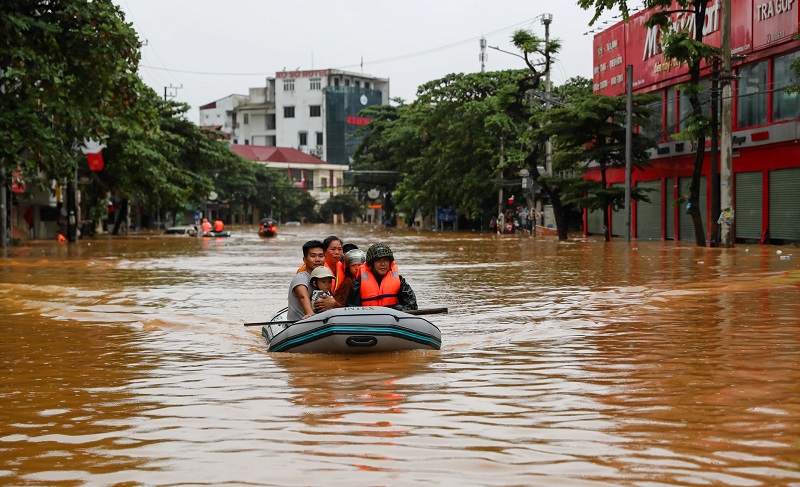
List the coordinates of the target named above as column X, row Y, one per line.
column 384, row 295
column 219, row 226
column 338, row 275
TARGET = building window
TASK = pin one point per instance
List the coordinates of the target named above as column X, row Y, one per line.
column 653, row 128
column 235, row 141
column 752, row 95
column 315, row 83
column 347, row 82
column 366, row 84
column 314, row 110
column 303, row 138
column 271, row 121
column 357, row 83
column 323, row 183
column 670, row 128
column 246, row 119
column 288, row 112
column 335, row 81
column 288, row 85
column 785, row 106
column 246, row 141
column 686, row 106
column 319, row 138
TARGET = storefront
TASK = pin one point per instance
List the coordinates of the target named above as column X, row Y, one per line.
column 766, row 156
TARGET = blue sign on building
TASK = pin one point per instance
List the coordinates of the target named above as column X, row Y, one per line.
column 445, row 215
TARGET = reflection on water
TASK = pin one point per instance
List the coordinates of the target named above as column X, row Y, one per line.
column 576, row 363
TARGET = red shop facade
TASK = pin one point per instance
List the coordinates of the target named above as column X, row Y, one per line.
column 766, row 154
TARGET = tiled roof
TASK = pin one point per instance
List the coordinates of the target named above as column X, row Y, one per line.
column 262, row 153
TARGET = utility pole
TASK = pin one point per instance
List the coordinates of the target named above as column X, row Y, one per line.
column 170, row 87
column 483, row 57
column 3, row 184
column 628, row 148
column 548, row 158
column 715, row 198
column 500, row 221
column 726, row 169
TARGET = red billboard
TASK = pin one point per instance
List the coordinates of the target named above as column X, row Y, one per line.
column 643, row 45
column 608, row 76
column 774, row 21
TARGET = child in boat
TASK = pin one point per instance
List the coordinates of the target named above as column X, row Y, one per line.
column 321, row 283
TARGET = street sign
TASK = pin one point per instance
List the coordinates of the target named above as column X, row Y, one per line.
column 445, row 215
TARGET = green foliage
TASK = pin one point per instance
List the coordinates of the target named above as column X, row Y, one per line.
column 67, row 69
column 444, row 148
column 341, row 204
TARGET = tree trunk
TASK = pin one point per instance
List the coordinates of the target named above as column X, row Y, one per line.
column 122, row 215
column 694, row 196
column 560, row 215
column 606, row 222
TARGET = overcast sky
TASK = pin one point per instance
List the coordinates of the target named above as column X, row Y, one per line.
column 211, row 49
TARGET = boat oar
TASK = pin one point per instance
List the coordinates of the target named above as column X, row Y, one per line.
column 416, row 312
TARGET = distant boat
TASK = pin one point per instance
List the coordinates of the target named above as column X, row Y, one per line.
column 225, row 233
column 191, row 231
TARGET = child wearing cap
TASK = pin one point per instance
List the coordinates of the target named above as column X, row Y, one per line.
column 321, row 284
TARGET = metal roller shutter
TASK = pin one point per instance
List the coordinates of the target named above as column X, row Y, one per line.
column 784, row 204
column 670, row 199
column 748, row 209
column 618, row 219
column 648, row 215
column 594, row 222
column 685, row 224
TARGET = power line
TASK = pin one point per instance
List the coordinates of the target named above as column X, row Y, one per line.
column 400, row 57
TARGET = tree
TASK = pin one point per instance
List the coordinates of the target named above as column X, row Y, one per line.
column 590, row 129
column 444, row 148
column 67, row 70
column 342, row 204
column 519, row 103
column 687, row 47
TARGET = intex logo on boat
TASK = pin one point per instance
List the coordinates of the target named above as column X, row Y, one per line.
column 680, row 21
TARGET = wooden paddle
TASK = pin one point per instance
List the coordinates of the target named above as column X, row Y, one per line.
column 415, row 312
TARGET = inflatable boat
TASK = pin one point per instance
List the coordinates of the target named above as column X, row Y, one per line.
column 352, row 331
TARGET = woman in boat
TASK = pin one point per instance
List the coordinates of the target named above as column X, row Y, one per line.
column 379, row 283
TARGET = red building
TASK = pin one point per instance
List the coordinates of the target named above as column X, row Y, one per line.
column 766, row 154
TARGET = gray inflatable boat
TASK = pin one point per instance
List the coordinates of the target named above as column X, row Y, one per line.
column 353, row 330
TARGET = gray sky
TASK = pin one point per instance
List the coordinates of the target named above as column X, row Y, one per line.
column 214, row 49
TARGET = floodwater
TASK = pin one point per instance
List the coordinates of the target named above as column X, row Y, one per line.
column 124, row 362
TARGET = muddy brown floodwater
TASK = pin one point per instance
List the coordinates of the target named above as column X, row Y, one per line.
column 125, row 362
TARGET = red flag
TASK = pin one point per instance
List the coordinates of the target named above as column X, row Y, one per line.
column 95, row 161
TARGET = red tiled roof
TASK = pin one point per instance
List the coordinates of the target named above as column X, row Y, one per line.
column 262, row 153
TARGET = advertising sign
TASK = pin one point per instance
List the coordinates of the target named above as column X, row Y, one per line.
column 608, row 71
column 643, row 48
column 774, row 21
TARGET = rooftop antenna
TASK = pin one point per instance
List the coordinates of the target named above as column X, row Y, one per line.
column 483, row 57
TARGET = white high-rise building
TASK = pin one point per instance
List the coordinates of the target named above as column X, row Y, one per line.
column 315, row 111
